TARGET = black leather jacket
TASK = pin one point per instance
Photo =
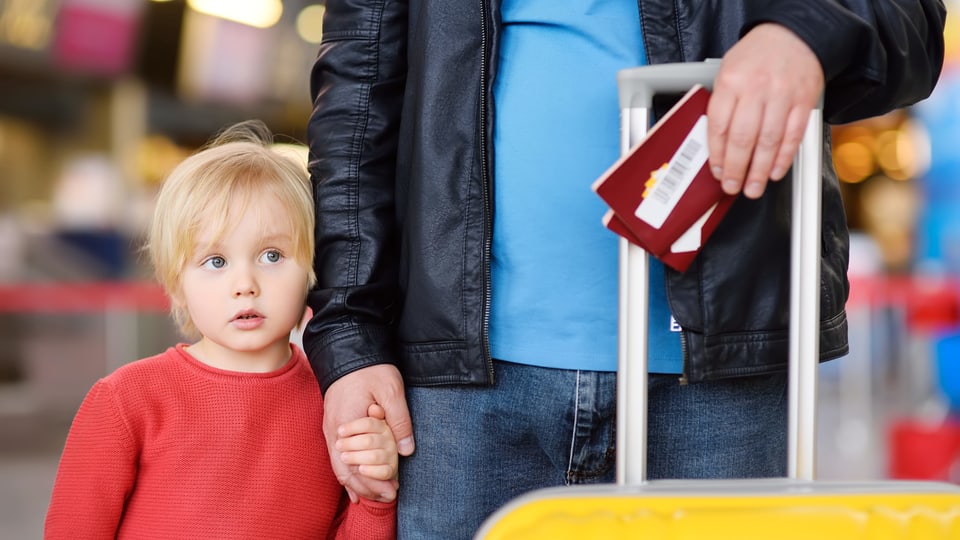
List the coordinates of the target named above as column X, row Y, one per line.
column 401, row 161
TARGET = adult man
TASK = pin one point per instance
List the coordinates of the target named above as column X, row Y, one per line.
column 452, row 151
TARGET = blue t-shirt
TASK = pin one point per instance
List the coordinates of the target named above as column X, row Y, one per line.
column 554, row 266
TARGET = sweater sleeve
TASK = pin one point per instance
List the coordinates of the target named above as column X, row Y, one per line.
column 366, row 520
column 96, row 473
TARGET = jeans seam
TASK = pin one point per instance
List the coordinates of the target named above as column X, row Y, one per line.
column 573, row 431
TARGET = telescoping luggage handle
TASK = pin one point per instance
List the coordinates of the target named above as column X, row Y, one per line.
column 637, row 86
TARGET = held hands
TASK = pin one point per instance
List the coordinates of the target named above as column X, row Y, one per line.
column 762, row 97
column 349, row 399
column 368, row 443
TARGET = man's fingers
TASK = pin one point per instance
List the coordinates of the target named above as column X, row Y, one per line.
column 796, row 126
column 740, row 141
column 398, row 418
column 719, row 112
column 766, row 85
column 767, row 148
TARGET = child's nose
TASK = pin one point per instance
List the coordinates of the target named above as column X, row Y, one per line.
column 245, row 291
column 246, row 285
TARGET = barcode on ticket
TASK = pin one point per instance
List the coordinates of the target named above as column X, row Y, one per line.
column 673, row 182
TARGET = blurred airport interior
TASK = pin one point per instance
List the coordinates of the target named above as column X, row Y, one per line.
column 99, row 98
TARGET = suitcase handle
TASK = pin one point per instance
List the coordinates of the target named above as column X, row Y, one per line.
column 637, row 87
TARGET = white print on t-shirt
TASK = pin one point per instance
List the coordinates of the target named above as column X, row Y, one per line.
column 674, row 326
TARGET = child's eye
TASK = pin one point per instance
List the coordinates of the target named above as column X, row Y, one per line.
column 271, row 256
column 215, row 262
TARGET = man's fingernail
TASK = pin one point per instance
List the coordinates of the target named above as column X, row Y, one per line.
column 777, row 173
column 730, row 186
column 717, row 171
column 753, row 190
column 405, row 446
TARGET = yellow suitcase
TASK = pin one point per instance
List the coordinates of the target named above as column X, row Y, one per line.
column 756, row 509
column 797, row 507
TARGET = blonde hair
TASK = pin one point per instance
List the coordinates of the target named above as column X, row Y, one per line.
column 216, row 184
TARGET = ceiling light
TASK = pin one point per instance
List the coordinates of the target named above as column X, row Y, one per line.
column 256, row 13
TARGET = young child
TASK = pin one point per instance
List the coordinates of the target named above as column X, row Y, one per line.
column 222, row 438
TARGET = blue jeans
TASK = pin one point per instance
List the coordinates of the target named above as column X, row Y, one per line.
column 479, row 447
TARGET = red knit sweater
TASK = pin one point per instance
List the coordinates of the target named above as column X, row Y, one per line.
column 168, row 447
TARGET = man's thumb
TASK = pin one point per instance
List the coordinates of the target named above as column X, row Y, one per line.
column 398, row 418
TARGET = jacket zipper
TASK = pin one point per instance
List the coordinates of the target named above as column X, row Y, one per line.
column 485, row 177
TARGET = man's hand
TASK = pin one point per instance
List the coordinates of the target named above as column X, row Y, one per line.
column 762, row 97
column 348, row 399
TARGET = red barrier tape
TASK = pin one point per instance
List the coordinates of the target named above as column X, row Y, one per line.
column 929, row 303
column 54, row 298
column 916, row 293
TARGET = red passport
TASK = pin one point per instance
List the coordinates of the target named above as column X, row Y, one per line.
column 680, row 259
column 662, row 192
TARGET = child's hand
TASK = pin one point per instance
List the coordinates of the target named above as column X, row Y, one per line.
column 369, row 444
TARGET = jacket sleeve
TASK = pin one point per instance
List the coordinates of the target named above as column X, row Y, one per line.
column 877, row 55
column 356, row 86
column 96, row 474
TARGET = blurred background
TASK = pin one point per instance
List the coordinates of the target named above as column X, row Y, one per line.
column 100, row 98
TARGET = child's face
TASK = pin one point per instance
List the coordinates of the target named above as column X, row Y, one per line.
column 246, row 292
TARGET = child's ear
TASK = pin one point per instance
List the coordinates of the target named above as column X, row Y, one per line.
column 305, row 317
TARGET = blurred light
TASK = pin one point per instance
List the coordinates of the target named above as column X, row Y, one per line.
column 114, row 24
column 907, row 156
column 310, row 23
column 853, row 160
column 903, row 153
column 887, row 155
column 89, row 193
column 921, row 147
column 26, row 24
column 202, row 73
column 890, row 211
column 157, row 156
column 256, row 13
column 893, row 145
column 951, row 36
